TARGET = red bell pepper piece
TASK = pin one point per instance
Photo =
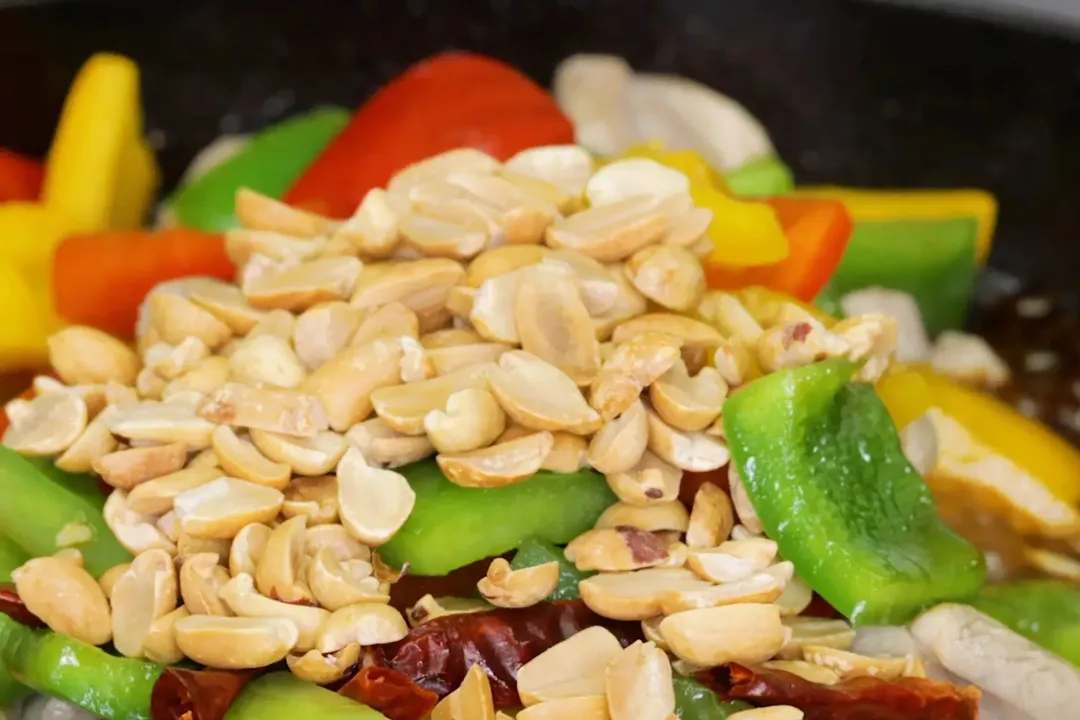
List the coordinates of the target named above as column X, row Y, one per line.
column 100, row 279
column 818, row 233
column 20, row 177
column 452, row 100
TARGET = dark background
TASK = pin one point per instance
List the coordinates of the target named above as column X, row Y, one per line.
column 852, row 93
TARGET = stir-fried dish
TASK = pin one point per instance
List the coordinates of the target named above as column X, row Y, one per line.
column 485, row 403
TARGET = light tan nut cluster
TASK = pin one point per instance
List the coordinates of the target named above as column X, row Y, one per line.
column 505, row 319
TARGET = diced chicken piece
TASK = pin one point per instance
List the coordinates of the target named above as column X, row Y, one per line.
column 1002, row 663
column 969, row 358
column 913, row 344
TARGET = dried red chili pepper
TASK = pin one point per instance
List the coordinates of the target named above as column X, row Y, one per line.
column 392, row 693
column 181, row 694
column 861, row 698
column 437, row 654
column 12, row 606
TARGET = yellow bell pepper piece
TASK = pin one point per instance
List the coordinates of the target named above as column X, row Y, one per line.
column 30, row 233
column 100, row 173
column 995, row 429
column 744, row 233
column 883, row 205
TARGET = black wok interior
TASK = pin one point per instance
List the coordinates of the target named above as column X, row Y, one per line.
column 852, row 93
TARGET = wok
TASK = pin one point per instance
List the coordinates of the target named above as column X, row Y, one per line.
column 852, row 93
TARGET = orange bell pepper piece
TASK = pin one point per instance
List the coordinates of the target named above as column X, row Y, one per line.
column 101, row 279
column 817, row 232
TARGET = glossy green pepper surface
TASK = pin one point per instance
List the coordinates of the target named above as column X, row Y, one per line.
column 451, row 526
column 820, row 460
column 532, row 552
column 113, row 688
column 694, row 701
column 268, row 164
column 282, row 696
column 1046, row 612
column 36, row 508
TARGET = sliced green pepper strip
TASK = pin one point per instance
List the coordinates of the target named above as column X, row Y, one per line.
column 933, row 259
column 36, row 508
column 694, row 701
column 11, row 557
column 533, row 552
column 282, row 696
column 1046, row 612
column 269, row 164
column 451, row 526
column 766, row 176
column 111, row 687
column 821, row 462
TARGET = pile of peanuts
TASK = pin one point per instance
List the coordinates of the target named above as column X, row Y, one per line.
column 505, row 318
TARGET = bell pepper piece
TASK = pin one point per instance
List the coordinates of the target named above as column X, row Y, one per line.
column 694, row 701
column 451, row 526
column 891, row 205
column 1046, row 612
column 29, row 234
column 126, row 266
column 933, row 260
column 744, row 232
column 20, row 177
column 817, row 232
column 82, row 484
column 36, row 509
column 531, row 553
column 268, row 164
column 480, row 102
column 821, row 462
column 764, row 176
column 283, row 696
column 1025, row 448
column 100, row 173
column 11, row 557
column 115, row 688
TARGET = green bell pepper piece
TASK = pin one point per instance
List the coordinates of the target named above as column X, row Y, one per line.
column 111, row 687
column 268, row 164
column 82, row 484
column 765, row 176
column 1046, row 612
column 933, row 259
column 11, row 557
column 533, row 552
column 282, row 696
column 35, row 508
column 821, row 462
column 451, row 526
column 694, row 701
